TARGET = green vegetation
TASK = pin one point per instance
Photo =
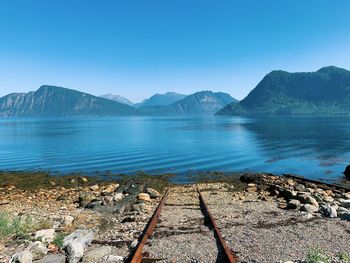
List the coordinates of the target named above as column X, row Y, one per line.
column 344, row 257
column 317, row 255
column 19, row 227
column 58, row 240
column 42, row 179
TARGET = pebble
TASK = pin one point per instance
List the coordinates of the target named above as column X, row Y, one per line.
column 38, row 250
column 309, row 208
column 97, row 254
column 152, row 192
column 144, row 197
column 22, row 257
column 293, row 204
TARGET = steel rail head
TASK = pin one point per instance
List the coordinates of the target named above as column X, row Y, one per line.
column 230, row 257
column 148, row 231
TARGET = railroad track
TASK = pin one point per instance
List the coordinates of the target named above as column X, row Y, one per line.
column 186, row 216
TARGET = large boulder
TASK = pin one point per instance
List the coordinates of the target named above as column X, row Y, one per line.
column 347, row 172
column 75, row 243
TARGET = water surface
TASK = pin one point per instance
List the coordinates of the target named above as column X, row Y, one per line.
column 316, row 147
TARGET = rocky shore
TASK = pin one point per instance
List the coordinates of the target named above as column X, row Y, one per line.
column 263, row 218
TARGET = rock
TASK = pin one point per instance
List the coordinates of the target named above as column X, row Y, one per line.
column 85, row 198
column 345, row 203
column 328, row 192
column 83, row 179
column 110, row 189
column 97, row 254
column 134, row 244
column 328, row 199
column 117, row 197
column 75, row 243
column 252, row 189
column 299, row 187
column 114, row 259
column 22, row 257
column 329, row 211
column 346, row 196
column 38, row 250
column 152, row 192
column 46, row 235
column 94, row 187
column 134, row 189
column 288, row 194
column 347, row 172
column 144, row 197
column 52, row 183
column 293, row 204
column 309, row 208
column 68, row 221
column 342, row 210
column 57, row 258
column 307, row 199
column 139, row 207
column 345, row 216
column 290, row 182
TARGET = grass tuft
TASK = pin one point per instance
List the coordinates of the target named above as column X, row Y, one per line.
column 317, row 255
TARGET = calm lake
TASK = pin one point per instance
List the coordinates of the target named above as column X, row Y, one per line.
column 315, row 147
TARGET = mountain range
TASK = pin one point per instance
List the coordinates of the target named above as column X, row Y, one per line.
column 326, row 91
column 57, row 101
column 52, row 101
column 117, row 98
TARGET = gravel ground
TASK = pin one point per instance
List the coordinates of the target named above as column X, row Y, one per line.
column 258, row 231
column 181, row 236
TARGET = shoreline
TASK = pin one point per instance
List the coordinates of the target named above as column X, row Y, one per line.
column 116, row 212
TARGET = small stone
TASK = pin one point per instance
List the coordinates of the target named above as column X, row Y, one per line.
column 134, row 244
column 309, row 208
column 52, row 183
column 83, row 179
column 152, row 192
column 346, row 196
column 46, row 235
column 144, row 197
column 293, row 204
column 252, row 189
column 345, row 203
column 97, row 254
column 328, row 199
column 117, row 197
column 22, row 257
column 346, row 216
column 251, row 185
column 94, row 187
column 291, row 182
column 288, row 194
column 299, row 187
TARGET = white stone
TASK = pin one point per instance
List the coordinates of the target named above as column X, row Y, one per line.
column 75, row 243
column 345, row 203
column 46, row 235
column 118, row 196
column 114, row 259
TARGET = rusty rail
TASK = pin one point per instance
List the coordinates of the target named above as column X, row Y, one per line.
column 137, row 255
column 229, row 256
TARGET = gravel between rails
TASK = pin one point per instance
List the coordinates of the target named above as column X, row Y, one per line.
column 181, row 236
column 258, row 231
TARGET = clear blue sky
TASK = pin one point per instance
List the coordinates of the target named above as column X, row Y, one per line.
column 137, row 48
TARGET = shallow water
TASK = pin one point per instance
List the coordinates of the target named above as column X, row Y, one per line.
column 316, row 147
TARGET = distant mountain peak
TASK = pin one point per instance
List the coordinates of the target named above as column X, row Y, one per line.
column 162, row 99
column 326, row 91
column 56, row 101
column 117, row 98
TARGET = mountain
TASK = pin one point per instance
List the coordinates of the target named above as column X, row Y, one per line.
column 117, row 98
column 161, row 100
column 57, row 101
column 199, row 103
column 326, row 91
